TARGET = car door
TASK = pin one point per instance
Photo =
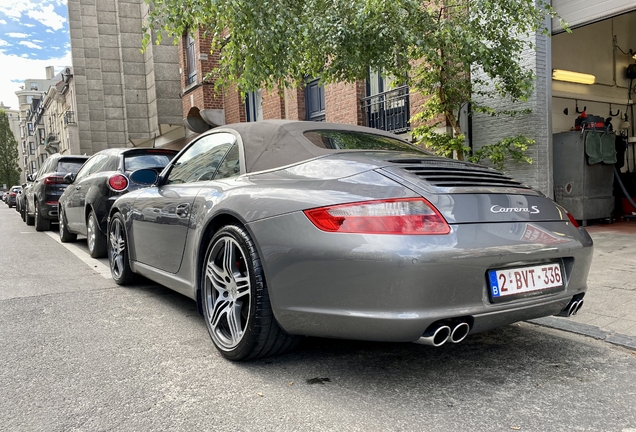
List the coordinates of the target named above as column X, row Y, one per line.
column 162, row 220
column 37, row 184
column 75, row 199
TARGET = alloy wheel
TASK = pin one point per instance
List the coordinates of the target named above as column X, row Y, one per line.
column 117, row 244
column 227, row 293
column 90, row 232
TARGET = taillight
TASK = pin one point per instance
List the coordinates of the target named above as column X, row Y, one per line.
column 409, row 216
column 118, row 182
column 53, row 180
column 12, row 194
column 576, row 225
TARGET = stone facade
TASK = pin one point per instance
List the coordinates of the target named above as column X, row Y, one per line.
column 124, row 97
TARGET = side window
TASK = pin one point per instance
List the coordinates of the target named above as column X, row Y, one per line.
column 44, row 168
column 87, row 168
column 231, row 165
column 201, row 160
column 101, row 164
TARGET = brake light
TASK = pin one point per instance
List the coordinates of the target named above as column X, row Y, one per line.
column 118, row 182
column 12, row 194
column 408, row 216
column 576, row 225
column 53, row 180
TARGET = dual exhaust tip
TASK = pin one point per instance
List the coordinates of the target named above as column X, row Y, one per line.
column 572, row 308
column 440, row 333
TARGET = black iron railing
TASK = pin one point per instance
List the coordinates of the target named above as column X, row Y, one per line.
column 69, row 117
column 388, row 111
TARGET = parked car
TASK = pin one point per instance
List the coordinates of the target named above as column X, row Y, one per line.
column 85, row 204
column 279, row 229
column 13, row 193
column 48, row 184
column 5, row 194
column 21, row 200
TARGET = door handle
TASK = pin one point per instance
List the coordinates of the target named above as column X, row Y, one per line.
column 183, row 210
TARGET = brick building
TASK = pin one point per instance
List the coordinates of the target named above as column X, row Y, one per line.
column 373, row 102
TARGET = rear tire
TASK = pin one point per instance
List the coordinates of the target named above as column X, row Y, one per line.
column 41, row 224
column 235, row 299
column 30, row 220
column 94, row 237
column 65, row 235
column 118, row 257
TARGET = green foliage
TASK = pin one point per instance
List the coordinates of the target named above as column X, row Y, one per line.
column 513, row 148
column 436, row 46
column 9, row 170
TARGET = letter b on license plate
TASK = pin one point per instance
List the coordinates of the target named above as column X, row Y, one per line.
column 521, row 280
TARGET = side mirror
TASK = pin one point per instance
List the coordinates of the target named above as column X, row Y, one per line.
column 29, row 178
column 69, row 178
column 144, row 176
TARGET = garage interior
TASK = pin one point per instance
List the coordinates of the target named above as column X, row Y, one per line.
column 593, row 92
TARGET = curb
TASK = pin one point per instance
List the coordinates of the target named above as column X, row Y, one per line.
column 587, row 330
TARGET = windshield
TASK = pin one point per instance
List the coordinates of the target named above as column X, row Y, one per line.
column 348, row 140
column 140, row 161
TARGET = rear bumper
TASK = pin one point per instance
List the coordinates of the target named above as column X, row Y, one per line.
column 391, row 288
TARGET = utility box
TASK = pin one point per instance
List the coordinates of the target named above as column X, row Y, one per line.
column 584, row 189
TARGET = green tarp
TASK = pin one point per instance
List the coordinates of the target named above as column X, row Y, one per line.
column 599, row 147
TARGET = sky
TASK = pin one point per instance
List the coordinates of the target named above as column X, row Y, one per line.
column 33, row 34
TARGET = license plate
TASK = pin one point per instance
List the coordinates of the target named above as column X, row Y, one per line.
column 526, row 279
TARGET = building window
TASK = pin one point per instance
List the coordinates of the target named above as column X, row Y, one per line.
column 41, row 136
column 30, row 128
column 43, row 158
column 34, row 86
column 315, row 100
column 254, row 106
column 191, row 60
column 386, row 107
column 29, row 99
column 34, row 167
column 31, row 148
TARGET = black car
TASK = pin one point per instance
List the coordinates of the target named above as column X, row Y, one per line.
column 48, row 184
column 85, row 204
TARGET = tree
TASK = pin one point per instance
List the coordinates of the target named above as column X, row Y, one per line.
column 434, row 45
column 9, row 170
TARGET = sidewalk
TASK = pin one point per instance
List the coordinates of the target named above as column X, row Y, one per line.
column 609, row 312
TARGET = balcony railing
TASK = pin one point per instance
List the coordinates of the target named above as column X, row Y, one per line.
column 388, row 111
column 69, row 117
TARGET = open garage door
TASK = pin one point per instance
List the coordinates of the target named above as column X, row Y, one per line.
column 580, row 12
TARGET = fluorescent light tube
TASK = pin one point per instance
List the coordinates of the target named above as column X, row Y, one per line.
column 575, row 77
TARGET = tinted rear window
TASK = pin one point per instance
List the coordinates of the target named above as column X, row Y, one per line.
column 69, row 166
column 346, row 140
column 140, row 161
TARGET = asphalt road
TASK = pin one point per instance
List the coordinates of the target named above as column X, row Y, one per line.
column 79, row 353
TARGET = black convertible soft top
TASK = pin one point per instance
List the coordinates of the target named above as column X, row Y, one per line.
column 275, row 143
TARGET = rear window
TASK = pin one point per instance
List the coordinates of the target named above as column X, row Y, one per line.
column 347, row 140
column 69, row 166
column 140, row 161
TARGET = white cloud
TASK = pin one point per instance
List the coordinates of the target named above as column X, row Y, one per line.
column 4, row 43
column 49, row 31
column 18, row 35
column 30, row 45
column 37, row 41
column 22, row 69
column 28, row 25
column 25, row 55
column 47, row 16
column 3, row 22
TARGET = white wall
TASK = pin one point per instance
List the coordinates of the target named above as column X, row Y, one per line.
column 590, row 49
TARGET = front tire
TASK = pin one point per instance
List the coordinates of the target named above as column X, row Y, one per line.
column 65, row 235
column 235, row 299
column 94, row 237
column 118, row 257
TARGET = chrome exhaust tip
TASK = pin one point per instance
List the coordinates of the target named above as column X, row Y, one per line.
column 436, row 336
column 459, row 333
column 578, row 307
column 573, row 308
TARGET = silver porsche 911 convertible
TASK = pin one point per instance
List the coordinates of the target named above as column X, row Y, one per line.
column 282, row 229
